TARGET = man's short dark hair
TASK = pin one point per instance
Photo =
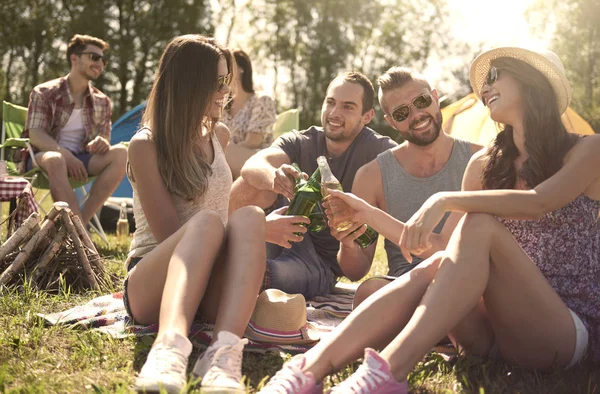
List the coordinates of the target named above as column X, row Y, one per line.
column 80, row 41
column 397, row 77
column 368, row 91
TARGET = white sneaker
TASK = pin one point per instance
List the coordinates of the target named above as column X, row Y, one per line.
column 220, row 367
column 166, row 365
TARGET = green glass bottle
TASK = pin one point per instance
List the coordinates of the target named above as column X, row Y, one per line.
column 307, row 196
column 317, row 219
column 367, row 238
column 300, row 181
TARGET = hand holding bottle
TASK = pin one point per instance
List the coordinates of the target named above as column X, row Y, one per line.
column 284, row 181
column 340, row 206
column 282, row 229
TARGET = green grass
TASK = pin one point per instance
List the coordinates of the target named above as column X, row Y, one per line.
column 39, row 359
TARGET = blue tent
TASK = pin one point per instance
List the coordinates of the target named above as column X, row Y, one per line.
column 122, row 130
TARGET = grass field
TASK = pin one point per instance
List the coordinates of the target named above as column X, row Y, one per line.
column 39, row 359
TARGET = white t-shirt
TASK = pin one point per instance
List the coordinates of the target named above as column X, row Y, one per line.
column 73, row 134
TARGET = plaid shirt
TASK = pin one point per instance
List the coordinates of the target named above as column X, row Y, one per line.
column 51, row 106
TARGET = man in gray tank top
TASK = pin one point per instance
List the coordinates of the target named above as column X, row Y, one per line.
column 307, row 264
column 402, row 178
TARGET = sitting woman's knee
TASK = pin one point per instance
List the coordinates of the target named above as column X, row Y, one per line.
column 250, row 218
column 478, row 221
column 366, row 289
column 206, row 219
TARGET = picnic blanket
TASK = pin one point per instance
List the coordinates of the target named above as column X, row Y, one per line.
column 106, row 314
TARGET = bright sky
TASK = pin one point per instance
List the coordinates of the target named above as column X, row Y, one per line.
column 483, row 23
column 493, row 22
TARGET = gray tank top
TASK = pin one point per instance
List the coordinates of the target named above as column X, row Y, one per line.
column 405, row 194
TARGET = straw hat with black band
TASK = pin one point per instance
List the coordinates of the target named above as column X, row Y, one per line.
column 545, row 61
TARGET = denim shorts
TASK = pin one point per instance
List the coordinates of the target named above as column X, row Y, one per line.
column 84, row 157
column 298, row 270
column 132, row 263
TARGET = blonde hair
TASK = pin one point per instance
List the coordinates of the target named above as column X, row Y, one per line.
column 175, row 113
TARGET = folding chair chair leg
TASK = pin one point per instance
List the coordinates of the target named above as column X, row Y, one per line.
column 95, row 224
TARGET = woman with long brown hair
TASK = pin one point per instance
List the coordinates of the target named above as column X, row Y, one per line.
column 187, row 257
column 520, row 277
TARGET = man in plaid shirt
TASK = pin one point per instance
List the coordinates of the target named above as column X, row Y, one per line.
column 69, row 122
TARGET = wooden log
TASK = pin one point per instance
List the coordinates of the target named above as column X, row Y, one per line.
column 47, row 257
column 20, row 236
column 17, row 265
column 66, row 221
column 94, row 256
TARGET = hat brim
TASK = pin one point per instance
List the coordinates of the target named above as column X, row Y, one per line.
column 482, row 63
column 307, row 334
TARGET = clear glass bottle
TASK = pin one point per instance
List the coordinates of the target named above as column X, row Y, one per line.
column 329, row 181
column 123, row 223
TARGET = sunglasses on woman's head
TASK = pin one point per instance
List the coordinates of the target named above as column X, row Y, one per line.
column 223, row 80
column 492, row 76
column 93, row 56
column 399, row 114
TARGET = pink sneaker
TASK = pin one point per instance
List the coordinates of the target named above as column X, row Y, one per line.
column 373, row 376
column 291, row 380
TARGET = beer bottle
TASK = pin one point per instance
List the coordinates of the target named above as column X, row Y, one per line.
column 307, row 196
column 329, row 181
column 367, row 238
column 300, row 181
column 123, row 223
column 317, row 219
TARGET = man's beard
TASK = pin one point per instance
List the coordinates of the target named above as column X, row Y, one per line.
column 343, row 135
column 430, row 137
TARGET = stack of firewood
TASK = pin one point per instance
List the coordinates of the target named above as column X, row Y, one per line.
column 54, row 253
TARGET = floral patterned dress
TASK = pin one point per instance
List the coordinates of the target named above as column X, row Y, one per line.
column 256, row 116
column 565, row 245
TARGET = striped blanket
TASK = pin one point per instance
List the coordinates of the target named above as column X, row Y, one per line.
column 107, row 314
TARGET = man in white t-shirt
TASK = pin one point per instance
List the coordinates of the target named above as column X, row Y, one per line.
column 69, row 123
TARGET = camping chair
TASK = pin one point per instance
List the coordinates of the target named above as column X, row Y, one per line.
column 286, row 121
column 13, row 123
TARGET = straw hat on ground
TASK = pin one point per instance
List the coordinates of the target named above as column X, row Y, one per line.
column 544, row 61
column 281, row 318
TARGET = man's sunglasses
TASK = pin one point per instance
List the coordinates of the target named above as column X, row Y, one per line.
column 95, row 57
column 399, row 114
column 223, row 80
column 492, row 76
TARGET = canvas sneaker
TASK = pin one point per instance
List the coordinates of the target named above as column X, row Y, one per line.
column 373, row 376
column 291, row 380
column 166, row 365
column 220, row 367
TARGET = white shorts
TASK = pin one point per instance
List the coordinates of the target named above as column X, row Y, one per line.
column 581, row 342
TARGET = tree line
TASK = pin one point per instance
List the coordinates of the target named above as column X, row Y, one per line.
column 304, row 42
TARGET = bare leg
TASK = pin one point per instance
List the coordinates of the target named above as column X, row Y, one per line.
column 232, row 290
column 532, row 325
column 168, row 284
column 242, row 194
column 357, row 331
column 55, row 167
column 367, row 288
column 110, row 170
